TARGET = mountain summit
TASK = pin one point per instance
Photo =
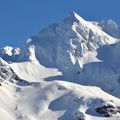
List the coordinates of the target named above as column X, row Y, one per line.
column 70, row 70
column 66, row 43
column 74, row 17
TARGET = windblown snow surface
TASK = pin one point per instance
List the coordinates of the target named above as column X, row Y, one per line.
column 68, row 71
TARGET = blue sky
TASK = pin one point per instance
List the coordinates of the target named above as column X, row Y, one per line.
column 20, row 19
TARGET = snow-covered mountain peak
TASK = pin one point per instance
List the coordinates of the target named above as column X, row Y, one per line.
column 111, row 24
column 86, row 28
column 110, row 27
column 7, row 50
column 73, row 17
column 9, row 53
column 67, row 45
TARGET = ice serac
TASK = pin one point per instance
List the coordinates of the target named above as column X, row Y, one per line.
column 65, row 44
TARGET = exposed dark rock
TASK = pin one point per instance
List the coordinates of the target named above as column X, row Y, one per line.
column 108, row 110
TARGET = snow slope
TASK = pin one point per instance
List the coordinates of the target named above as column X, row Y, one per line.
column 68, row 71
column 33, row 72
column 56, row 100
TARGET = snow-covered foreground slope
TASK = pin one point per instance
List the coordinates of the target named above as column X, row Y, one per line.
column 68, row 71
column 56, row 100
